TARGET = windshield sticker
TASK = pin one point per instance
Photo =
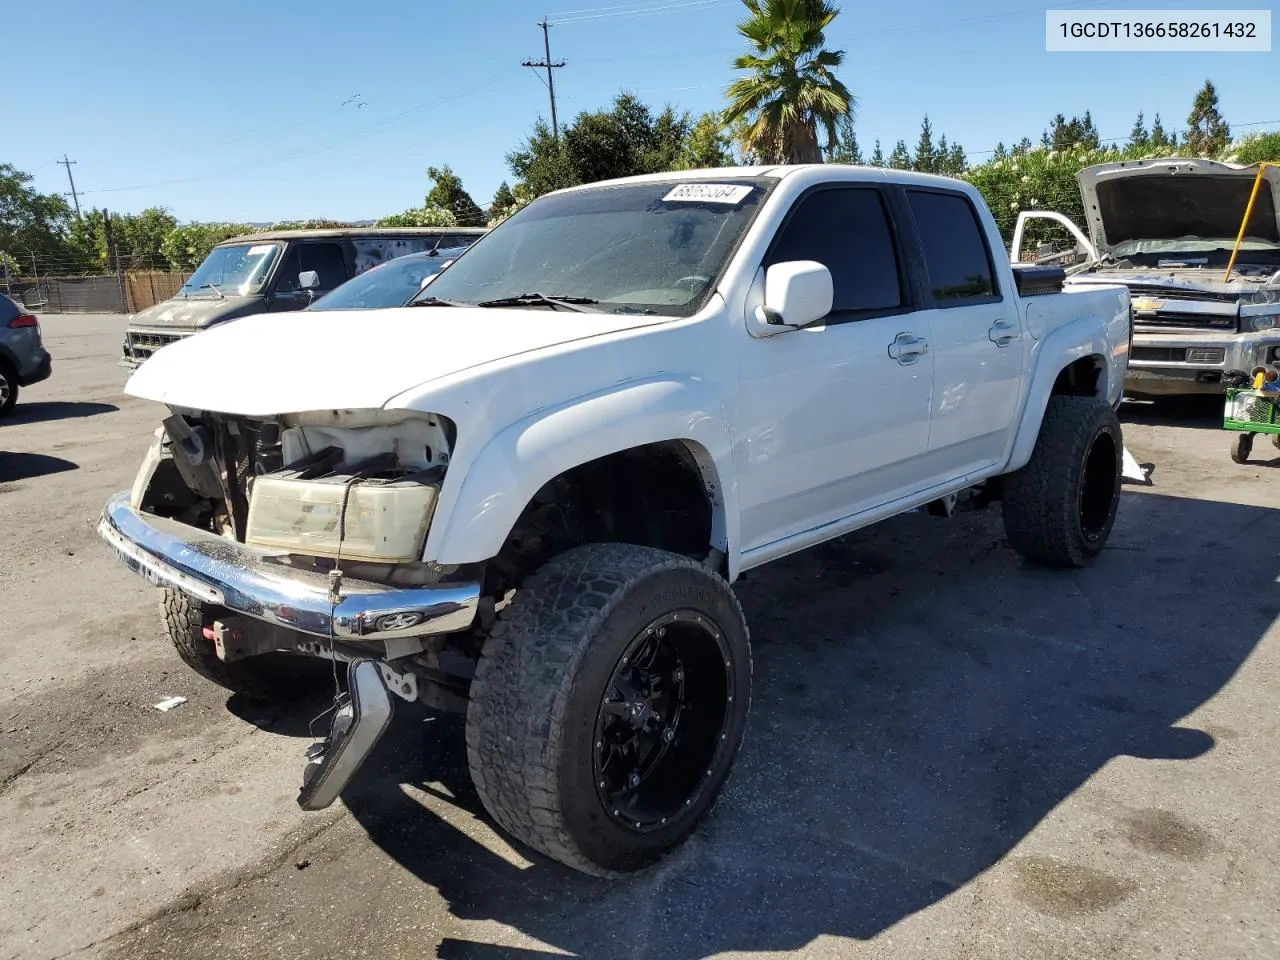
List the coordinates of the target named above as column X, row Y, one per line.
column 726, row 193
column 260, row 249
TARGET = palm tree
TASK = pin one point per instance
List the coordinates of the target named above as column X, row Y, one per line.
column 791, row 89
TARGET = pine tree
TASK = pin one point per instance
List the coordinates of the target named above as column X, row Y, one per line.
column 1001, row 151
column 957, row 162
column 900, row 158
column 926, row 158
column 1159, row 139
column 503, row 201
column 1138, row 136
column 877, row 156
column 846, row 148
column 1022, row 147
column 1207, row 132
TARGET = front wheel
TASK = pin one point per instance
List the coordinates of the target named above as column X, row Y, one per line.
column 1060, row 508
column 608, row 706
column 1241, row 449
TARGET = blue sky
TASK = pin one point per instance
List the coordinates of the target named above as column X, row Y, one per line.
column 235, row 110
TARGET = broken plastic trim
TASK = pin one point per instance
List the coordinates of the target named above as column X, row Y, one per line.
column 363, row 714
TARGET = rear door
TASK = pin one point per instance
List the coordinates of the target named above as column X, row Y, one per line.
column 978, row 340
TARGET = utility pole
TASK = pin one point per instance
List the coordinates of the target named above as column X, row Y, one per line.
column 74, row 199
column 545, row 63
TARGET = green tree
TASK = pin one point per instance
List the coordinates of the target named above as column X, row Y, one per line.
column 187, row 245
column 1161, row 141
column 540, row 164
column 503, row 201
column 1138, row 136
column 316, row 224
column 1000, row 152
column 926, row 155
column 1256, row 148
column 877, row 156
column 30, row 221
column 790, row 90
column 707, row 145
column 1064, row 134
column 846, row 149
column 447, row 193
column 1207, row 133
column 1022, row 147
column 423, row 216
column 900, row 158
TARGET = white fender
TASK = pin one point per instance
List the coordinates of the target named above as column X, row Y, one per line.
column 1074, row 340
column 521, row 458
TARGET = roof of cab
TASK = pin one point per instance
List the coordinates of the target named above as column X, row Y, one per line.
column 356, row 232
column 777, row 171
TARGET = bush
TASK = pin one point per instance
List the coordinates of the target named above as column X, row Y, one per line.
column 419, row 217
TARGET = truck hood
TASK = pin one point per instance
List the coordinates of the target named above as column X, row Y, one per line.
column 350, row 359
column 194, row 314
column 1177, row 206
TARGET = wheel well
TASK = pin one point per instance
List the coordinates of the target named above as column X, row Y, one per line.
column 660, row 495
column 1080, row 378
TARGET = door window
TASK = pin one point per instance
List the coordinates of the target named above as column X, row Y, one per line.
column 846, row 230
column 956, row 257
column 326, row 259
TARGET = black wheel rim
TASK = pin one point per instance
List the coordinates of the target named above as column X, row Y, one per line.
column 4, row 389
column 1098, row 486
column 662, row 726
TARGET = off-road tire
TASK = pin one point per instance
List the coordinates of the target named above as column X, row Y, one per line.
column 1242, row 448
column 1060, row 508
column 10, row 379
column 537, row 688
column 272, row 677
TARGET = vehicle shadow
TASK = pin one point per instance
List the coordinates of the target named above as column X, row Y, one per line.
column 923, row 700
column 49, row 410
column 1197, row 412
column 28, row 466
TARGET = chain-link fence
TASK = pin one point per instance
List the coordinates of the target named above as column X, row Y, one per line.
column 53, row 284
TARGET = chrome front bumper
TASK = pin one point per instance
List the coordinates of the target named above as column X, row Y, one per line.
column 1239, row 351
column 244, row 580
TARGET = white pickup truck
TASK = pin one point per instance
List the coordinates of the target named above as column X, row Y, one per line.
column 526, row 494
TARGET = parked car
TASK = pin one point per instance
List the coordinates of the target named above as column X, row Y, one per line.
column 23, row 358
column 525, row 495
column 259, row 274
column 1165, row 229
column 390, row 284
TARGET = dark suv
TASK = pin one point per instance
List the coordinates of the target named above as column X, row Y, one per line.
column 23, row 358
column 260, row 274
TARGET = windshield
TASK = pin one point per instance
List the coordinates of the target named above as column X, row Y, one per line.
column 390, row 284
column 635, row 248
column 234, row 270
column 1189, row 213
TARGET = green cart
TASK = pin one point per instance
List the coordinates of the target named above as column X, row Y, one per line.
column 1250, row 412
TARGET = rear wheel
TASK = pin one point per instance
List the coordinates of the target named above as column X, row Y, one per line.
column 8, row 388
column 1060, row 508
column 608, row 706
column 267, row 677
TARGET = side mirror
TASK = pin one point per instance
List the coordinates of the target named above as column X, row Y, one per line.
column 796, row 293
column 309, row 280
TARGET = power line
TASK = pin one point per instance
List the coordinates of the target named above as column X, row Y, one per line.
column 70, row 179
column 632, row 10
column 545, row 63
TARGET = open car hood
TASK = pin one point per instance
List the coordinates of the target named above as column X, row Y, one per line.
column 1159, row 206
column 349, row 359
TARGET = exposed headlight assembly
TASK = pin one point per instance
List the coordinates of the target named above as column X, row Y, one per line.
column 386, row 521
column 1263, row 321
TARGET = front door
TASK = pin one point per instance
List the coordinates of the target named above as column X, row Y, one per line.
column 325, row 258
column 978, row 339
column 831, row 418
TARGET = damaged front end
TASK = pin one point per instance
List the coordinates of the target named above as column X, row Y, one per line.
column 306, row 534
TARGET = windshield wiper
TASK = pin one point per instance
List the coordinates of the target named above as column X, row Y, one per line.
column 438, row 302
column 577, row 304
column 214, row 288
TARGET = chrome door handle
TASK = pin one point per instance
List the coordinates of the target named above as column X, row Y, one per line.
column 1002, row 333
column 907, row 348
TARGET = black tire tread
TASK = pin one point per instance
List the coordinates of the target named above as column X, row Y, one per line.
column 6, row 369
column 521, row 686
column 259, row 678
column 1038, row 504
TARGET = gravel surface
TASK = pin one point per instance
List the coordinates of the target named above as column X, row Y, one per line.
column 950, row 754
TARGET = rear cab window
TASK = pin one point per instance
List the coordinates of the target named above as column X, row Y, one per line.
column 958, row 266
column 849, row 231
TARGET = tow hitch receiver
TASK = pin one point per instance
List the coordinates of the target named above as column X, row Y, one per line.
column 363, row 714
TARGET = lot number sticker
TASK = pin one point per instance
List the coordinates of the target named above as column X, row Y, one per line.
column 726, row 193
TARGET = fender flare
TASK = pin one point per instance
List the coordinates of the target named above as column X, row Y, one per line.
column 1077, row 340
column 523, row 457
